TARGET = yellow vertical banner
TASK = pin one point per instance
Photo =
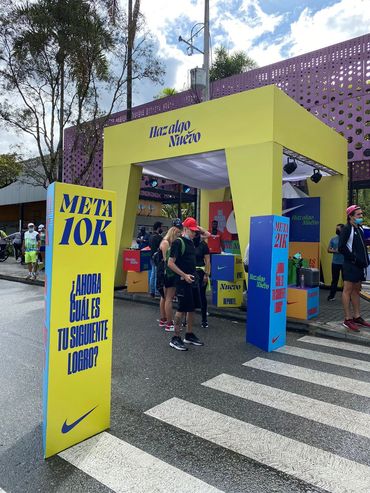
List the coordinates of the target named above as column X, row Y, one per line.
column 79, row 291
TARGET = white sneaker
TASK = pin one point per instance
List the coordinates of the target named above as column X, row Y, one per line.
column 29, row 276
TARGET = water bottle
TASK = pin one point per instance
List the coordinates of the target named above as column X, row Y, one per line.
column 301, row 281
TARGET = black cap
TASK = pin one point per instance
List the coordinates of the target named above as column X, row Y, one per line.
column 177, row 223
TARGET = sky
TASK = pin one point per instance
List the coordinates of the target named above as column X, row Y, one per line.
column 267, row 30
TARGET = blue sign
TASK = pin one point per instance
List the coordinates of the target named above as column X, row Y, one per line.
column 304, row 215
column 268, row 281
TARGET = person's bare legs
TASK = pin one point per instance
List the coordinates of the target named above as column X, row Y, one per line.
column 162, row 309
column 169, row 293
column 346, row 298
column 177, row 323
column 190, row 319
column 355, row 299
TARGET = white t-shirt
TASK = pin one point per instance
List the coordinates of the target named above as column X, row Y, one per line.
column 31, row 240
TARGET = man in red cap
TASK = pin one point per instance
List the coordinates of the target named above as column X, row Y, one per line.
column 183, row 262
column 356, row 261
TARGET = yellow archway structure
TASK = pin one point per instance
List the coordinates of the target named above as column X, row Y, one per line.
column 253, row 129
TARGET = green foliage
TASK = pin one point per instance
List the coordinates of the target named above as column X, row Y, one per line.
column 166, row 91
column 64, row 63
column 10, row 168
column 226, row 65
column 363, row 200
column 172, row 210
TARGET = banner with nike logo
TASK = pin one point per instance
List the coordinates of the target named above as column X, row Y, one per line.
column 268, row 281
column 79, row 288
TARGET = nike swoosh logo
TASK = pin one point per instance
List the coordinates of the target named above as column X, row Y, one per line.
column 291, row 209
column 275, row 339
column 66, row 428
column 291, row 302
column 220, row 268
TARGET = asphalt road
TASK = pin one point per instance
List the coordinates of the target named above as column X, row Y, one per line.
column 287, row 422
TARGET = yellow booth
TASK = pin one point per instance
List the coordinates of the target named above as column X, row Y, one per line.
column 232, row 147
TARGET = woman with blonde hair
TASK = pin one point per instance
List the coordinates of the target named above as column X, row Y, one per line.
column 168, row 290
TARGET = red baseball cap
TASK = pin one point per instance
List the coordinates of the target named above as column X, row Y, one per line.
column 352, row 208
column 191, row 224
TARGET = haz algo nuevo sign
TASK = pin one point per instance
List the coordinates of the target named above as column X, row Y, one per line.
column 79, row 288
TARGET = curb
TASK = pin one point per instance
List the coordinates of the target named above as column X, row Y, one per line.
column 237, row 316
column 23, row 280
column 293, row 325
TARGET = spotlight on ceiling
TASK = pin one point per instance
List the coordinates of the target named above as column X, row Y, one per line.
column 316, row 176
column 153, row 182
column 290, row 166
column 185, row 189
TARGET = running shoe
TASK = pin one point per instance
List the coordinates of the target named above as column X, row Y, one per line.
column 29, row 276
column 162, row 322
column 331, row 298
column 351, row 325
column 205, row 325
column 191, row 338
column 361, row 321
column 169, row 327
column 177, row 343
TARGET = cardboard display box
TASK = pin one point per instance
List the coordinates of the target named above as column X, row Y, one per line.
column 227, row 294
column 214, row 244
column 227, row 268
column 138, row 282
column 303, row 303
column 136, row 260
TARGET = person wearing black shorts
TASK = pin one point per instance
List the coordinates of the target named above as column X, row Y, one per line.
column 182, row 261
column 356, row 261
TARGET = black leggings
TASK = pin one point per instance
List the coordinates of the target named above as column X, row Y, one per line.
column 336, row 269
column 203, row 297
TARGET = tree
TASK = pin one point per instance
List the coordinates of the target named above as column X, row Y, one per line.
column 226, row 65
column 64, row 63
column 165, row 92
column 10, row 168
column 172, row 210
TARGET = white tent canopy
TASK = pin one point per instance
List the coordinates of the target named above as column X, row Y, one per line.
column 209, row 170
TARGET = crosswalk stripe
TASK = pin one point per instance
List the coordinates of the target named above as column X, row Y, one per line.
column 125, row 468
column 313, row 465
column 299, row 405
column 332, row 343
column 311, row 376
column 332, row 359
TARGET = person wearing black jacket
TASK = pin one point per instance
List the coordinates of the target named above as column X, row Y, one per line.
column 356, row 260
column 154, row 242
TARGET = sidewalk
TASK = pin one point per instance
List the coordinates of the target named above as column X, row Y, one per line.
column 328, row 323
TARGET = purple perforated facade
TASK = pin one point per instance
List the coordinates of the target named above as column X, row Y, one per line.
column 332, row 83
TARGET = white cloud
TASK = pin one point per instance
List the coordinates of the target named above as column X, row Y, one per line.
column 339, row 22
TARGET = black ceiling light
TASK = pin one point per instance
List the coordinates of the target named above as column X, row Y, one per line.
column 316, row 176
column 290, row 166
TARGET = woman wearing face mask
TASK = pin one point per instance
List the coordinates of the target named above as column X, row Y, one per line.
column 356, row 261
